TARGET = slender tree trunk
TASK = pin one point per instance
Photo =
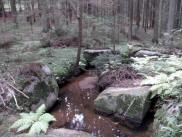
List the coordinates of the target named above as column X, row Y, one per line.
column 171, row 15
column 160, row 17
column 80, row 22
column 14, row 11
column 177, row 19
column 156, row 22
column 131, row 19
column 114, row 25
column 138, row 14
column 20, row 6
column 2, row 10
column 45, row 15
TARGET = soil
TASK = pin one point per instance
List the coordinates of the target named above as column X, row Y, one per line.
column 75, row 110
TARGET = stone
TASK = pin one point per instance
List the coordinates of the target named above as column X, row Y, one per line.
column 91, row 54
column 37, row 81
column 143, row 53
column 62, row 132
column 8, row 119
column 129, row 105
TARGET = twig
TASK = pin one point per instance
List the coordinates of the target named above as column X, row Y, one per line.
column 12, row 78
column 11, row 92
column 2, row 100
column 18, row 90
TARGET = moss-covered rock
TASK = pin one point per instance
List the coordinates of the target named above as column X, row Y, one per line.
column 130, row 105
column 91, row 54
column 37, row 81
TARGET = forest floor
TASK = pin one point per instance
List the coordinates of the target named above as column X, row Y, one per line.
column 22, row 46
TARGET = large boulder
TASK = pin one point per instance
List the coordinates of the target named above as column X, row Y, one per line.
column 36, row 81
column 91, row 54
column 129, row 105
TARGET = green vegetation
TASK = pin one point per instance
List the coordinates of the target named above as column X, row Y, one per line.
column 165, row 80
column 107, row 61
column 36, row 122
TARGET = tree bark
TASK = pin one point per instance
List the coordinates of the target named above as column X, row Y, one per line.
column 156, row 22
column 80, row 22
column 14, row 11
column 45, row 15
column 171, row 15
column 2, row 10
column 131, row 19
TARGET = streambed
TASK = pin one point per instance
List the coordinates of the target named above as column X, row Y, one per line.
column 75, row 110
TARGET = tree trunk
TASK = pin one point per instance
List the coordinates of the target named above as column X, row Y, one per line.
column 80, row 22
column 138, row 14
column 160, row 17
column 131, row 19
column 2, row 10
column 177, row 19
column 156, row 22
column 45, row 15
column 14, row 11
column 171, row 15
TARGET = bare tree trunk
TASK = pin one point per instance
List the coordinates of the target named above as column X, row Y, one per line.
column 131, row 19
column 138, row 13
column 80, row 22
column 177, row 19
column 14, row 11
column 156, row 22
column 2, row 10
column 45, row 15
column 114, row 24
column 171, row 15
column 20, row 8
column 160, row 17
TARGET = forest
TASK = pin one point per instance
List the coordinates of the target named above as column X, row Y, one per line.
column 90, row 68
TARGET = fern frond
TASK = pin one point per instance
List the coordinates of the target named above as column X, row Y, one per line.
column 47, row 118
column 41, row 110
column 24, row 127
column 37, row 127
column 20, row 123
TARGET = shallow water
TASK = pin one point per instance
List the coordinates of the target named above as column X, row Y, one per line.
column 75, row 110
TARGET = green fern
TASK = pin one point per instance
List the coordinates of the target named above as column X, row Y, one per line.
column 36, row 122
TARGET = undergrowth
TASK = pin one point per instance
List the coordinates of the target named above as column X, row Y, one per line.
column 164, row 75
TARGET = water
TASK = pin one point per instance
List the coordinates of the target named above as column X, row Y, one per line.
column 75, row 110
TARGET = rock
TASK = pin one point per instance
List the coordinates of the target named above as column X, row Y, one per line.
column 91, row 54
column 8, row 119
column 129, row 105
column 143, row 53
column 37, row 81
column 62, row 132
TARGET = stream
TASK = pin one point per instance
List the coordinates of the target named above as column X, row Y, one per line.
column 75, row 110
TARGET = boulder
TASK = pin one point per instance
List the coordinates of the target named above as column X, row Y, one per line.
column 37, row 81
column 91, row 54
column 143, row 53
column 62, row 132
column 129, row 105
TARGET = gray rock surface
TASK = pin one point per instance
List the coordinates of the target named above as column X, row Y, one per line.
column 62, row 132
column 37, row 81
column 129, row 105
column 143, row 53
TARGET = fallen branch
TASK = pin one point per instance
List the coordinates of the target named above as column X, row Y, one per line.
column 18, row 90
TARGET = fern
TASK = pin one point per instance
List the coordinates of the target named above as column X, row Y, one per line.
column 36, row 122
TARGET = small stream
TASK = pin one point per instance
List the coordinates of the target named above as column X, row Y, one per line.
column 75, row 110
